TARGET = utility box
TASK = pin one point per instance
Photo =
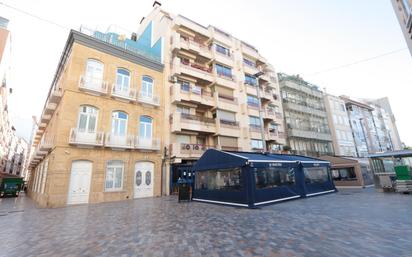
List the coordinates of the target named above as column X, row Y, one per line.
column 184, row 190
column 403, row 172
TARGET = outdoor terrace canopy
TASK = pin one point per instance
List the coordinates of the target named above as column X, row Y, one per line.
column 252, row 179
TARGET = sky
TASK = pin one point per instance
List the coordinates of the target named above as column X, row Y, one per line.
column 306, row 37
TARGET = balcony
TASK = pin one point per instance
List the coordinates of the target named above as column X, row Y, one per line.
column 45, row 118
column 50, row 108
column 46, row 143
column 184, row 150
column 302, row 88
column 225, row 80
column 250, row 51
column 81, row 137
column 221, row 36
column 250, row 69
column 194, row 94
column 192, row 25
column 93, row 85
column 227, row 128
column 192, row 69
column 302, row 107
column 272, row 135
column 190, row 44
column 223, row 58
column 55, row 95
column 144, row 98
column 183, row 121
column 267, row 94
column 226, row 102
column 119, row 141
column 129, row 95
column 150, row 144
column 294, row 132
column 269, row 114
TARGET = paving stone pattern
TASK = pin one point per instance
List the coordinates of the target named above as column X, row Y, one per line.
column 348, row 223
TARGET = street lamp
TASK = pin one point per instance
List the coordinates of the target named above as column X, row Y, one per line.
column 262, row 132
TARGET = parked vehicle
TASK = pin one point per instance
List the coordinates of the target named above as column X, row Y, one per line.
column 10, row 186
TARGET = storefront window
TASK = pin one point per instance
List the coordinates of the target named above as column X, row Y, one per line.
column 274, row 177
column 343, row 174
column 222, row 179
column 316, row 175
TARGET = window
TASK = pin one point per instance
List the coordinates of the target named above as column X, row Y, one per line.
column 114, row 175
column 122, row 81
column 94, row 74
column 256, row 144
column 225, row 115
column 249, row 62
column 87, row 119
column 147, row 87
column 223, row 70
column 274, row 177
column 222, row 50
column 146, row 127
column 184, row 86
column 250, row 80
column 316, row 175
column 119, row 123
column 183, row 109
column 343, row 174
column 254, row 121
column 252, row 100
column 222, row 179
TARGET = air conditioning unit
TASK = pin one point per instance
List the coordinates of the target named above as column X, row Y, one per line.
column 172, row 79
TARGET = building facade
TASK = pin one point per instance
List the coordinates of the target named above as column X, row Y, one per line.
column 216, row 86
column 306, row 119
column 13, row 150
column 403, row 11
column 363, row 127
column 387, row 122
column 343, row 142
column 99, row 137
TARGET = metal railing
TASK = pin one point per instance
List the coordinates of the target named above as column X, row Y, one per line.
column 129, row 94
column 144, row 98
column 229, row 123
column 119, row 141
column 147, row 144
column 187, row 116
column 84, row 137
column 93, row 84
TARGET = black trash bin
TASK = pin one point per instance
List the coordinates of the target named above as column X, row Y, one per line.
column 184, row 189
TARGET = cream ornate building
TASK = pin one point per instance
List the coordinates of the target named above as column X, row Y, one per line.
column 100, row 135
column 211, row 93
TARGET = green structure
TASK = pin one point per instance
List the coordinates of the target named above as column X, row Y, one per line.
column 10, row 185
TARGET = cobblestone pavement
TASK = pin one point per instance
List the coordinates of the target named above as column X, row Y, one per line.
column 348, row 223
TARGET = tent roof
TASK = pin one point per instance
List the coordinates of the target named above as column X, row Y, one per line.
column 213, row 159
column 400, row 153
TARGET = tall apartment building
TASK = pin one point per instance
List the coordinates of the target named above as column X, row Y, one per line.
column 341, row 131
column 387, row 122
column 363, row 127
column 99, row 137
column 13, row 150
column 211, row 91
column 306, row 119
column 403, row 11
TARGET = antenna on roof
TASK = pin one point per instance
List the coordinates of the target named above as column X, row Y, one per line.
column 141, row 20
column 156, row 3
